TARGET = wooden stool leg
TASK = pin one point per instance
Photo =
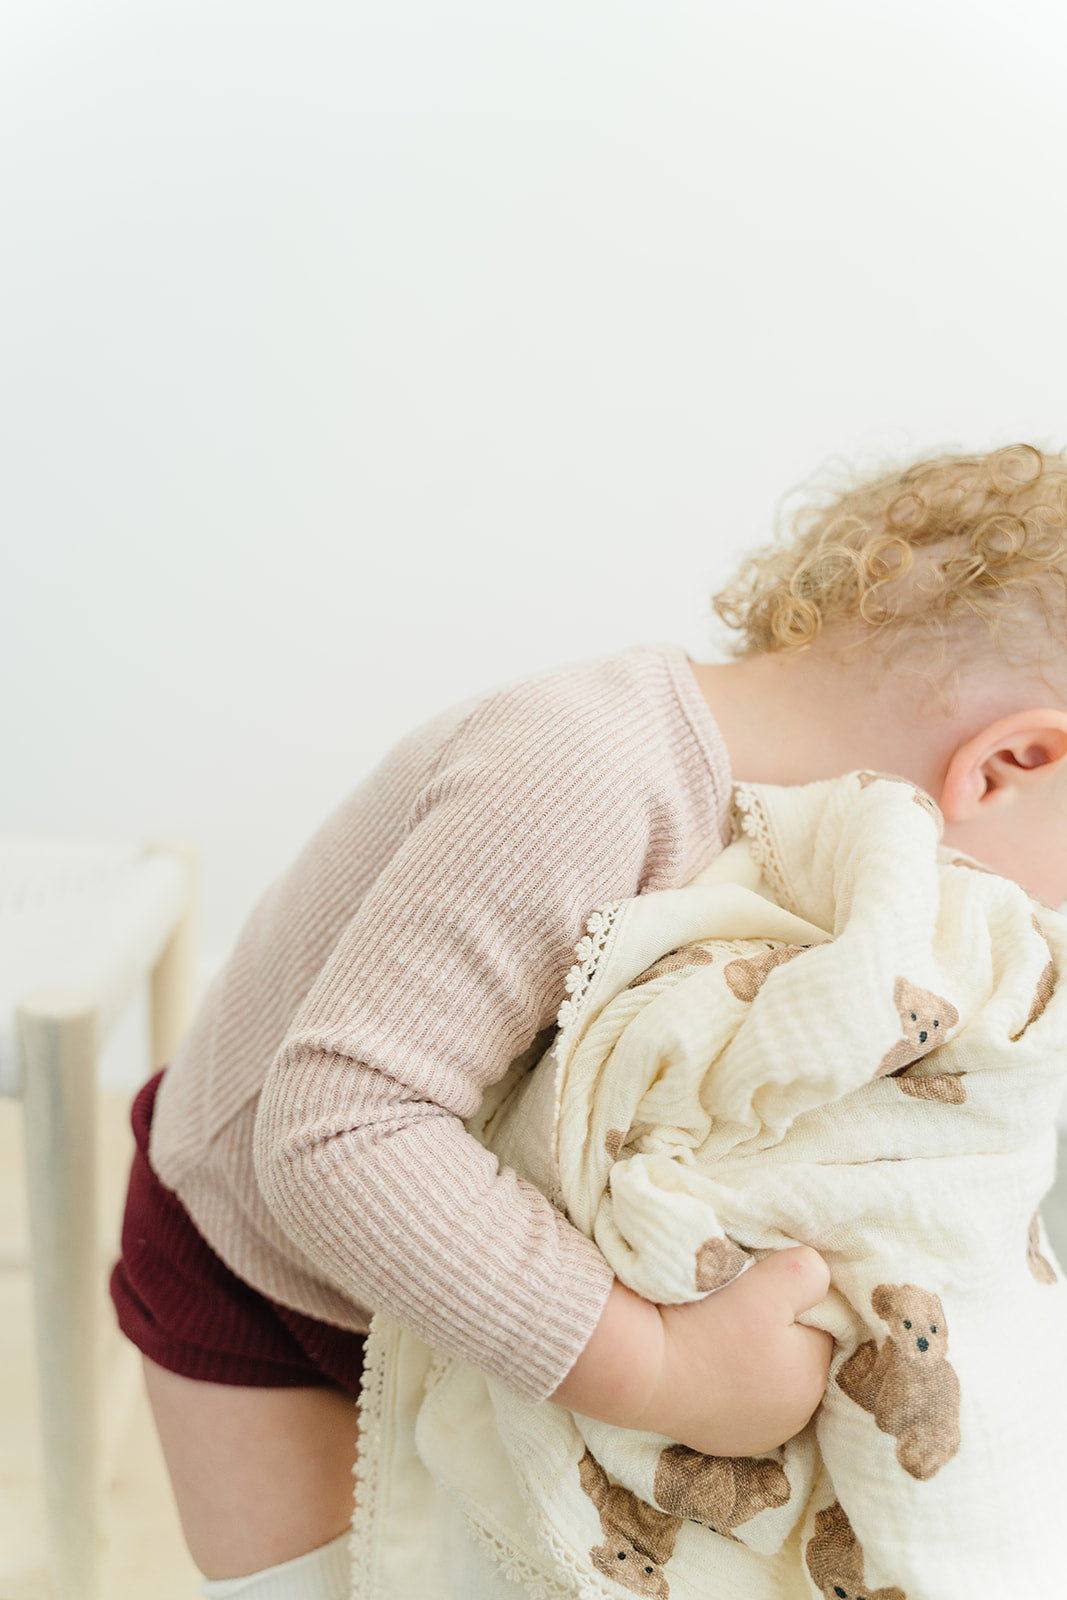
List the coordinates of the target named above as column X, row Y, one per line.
column 174, row 974
column 58, row 1033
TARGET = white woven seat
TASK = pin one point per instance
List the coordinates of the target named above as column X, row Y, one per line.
column 82, row 924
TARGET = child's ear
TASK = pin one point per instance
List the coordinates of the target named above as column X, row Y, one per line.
column 1009, row 755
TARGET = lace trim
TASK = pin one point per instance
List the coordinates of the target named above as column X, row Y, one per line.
column 572, row 1579
column 588, row 952
column 538, row 1583
column 751, row 822
column 588, row 1584
column 538, row 1579
column 367, row 1470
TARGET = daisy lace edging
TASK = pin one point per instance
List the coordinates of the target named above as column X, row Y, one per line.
column 367, row 1472
column 537, row 1581
column 534, row 1572
column 751, row 824
column 588, row 952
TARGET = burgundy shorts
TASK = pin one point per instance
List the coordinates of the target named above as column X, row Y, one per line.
column 185, row 1310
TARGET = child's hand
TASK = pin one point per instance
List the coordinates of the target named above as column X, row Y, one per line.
column 733, row 1374
column 739, row 1374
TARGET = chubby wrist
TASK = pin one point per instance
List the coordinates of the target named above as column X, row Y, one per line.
column 618, row 1372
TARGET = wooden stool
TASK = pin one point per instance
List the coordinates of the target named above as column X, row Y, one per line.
column 82, row 925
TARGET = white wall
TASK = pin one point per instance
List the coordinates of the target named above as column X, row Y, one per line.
column 356, row 357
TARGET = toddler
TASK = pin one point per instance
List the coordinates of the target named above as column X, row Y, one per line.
column 302, row 1162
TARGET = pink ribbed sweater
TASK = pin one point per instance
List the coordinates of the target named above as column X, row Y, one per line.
column 310, row 1121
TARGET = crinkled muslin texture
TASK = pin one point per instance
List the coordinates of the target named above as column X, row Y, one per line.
column 839, row 1035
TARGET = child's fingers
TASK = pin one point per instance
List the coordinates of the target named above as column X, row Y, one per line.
column 800, row 1276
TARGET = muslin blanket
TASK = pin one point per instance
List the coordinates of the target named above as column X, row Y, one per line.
column 840, row 1035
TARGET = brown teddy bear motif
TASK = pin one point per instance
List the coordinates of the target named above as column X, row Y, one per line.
column 720, row 1492
column 1046, row 985
column 718, row 1262
column 906, row 1383
column 747, row 975
column 835, row 1560
column 946, row 1087
column 1039, row 1265
column 639, row 1539
column 690, row 955
column 614, row 1140
column 921, row 798
column 926, row 1019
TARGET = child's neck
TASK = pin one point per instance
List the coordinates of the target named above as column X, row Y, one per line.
column 797, row 718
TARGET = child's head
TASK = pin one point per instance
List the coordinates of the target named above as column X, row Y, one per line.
column 953, row 561
column 940, row 587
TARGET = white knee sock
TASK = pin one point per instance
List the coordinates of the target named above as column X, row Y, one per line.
column 323, row 1574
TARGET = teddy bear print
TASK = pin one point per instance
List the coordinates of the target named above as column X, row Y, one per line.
column 690, row 955
column 926, row 1019
column 718, row 1262
column 1046, row 984
column 721, row 1492
column 921, row 798
column 638, row 1538
column 906, row 1383
column 835, row 1560
column 946, row 1087
column 746, row 976
column 1039, row 1265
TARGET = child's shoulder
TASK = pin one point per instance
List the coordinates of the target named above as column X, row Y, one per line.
column 612, row 739
column 591, row 743
column 645, row 696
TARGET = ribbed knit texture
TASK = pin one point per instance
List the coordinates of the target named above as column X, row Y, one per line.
column 310, row 1122
column 185, row 1310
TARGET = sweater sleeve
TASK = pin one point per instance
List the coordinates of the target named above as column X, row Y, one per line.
column 539, row 811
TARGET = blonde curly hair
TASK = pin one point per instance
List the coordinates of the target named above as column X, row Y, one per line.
column 952, row 548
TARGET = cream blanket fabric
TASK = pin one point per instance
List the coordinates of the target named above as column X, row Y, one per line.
column 839, row 1035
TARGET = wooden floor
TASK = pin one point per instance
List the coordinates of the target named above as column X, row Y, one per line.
column 144, row 1557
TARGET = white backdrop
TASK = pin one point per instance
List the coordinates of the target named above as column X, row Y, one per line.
column 356, row 357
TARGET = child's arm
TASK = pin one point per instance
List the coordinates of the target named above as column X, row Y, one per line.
column 552, row 798
column 733, row 1374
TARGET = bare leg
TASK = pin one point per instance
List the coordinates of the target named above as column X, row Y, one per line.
column 260, row 1476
